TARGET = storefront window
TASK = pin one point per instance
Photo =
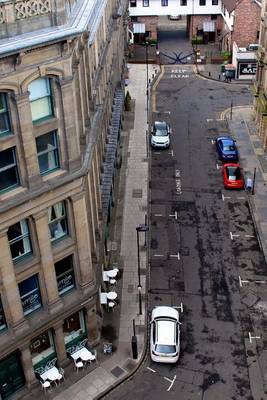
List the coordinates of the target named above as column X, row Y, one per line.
column 73, row 327
column 42, row 347
column 2, row 317
column 65, row 275
column 30, row 294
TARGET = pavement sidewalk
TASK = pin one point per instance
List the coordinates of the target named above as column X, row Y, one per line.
column 117, row 367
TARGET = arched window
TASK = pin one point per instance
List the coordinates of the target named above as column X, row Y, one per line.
column 41, row 99
column 4, row 116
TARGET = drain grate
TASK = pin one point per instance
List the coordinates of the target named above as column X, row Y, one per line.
column 137, row 193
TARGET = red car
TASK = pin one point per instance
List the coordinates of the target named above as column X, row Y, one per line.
column 232, row 176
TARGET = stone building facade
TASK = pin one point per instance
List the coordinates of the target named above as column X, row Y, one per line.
column 260, row 86
column 60, row 77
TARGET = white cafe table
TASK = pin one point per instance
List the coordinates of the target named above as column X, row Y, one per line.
column 112, row 295
column 83, row 354
column 51, row 374
column 112, row 273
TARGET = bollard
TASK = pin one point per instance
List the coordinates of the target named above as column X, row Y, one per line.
column 134, row 347
column 209, row 73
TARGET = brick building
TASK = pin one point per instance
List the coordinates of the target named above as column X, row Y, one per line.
column 61, row 101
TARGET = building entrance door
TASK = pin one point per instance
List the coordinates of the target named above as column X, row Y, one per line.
column 11, row 375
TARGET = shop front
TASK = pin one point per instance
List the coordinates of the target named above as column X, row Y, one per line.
column 11, row 375
column 42, row 349
column 74, row 329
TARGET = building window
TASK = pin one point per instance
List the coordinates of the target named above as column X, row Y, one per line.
column 213, row 17
column 202, row 2
column 4, row 115
column 19, row 239
column 9, row 176
column 30, row 294
column 3, row 324
column 133, row 3
column 183, row 2
column 47, row 152
column 65, row 275
column 40, row 99
column 164, row 3
column 214, row 2
column 57, row 220
column 145, row 3
column 73, row 327
column 42, row 347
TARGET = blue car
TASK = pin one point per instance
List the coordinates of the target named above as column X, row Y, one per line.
column 226, row 148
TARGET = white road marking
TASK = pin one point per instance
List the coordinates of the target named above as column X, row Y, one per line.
column 171, row 152
column 242, row 281
column 212, row 141
column 252, row 337
column 176, row 255
column 175, row 215
column 157, row 215
column 158, row 255
column 218, row 166
column 232, row 235
column 249, row 236
column 171, row 381
column 260, row 281
column 241, row 198
column 150, row 369
column 225, row 197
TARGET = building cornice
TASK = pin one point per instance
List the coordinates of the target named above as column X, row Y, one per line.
column 83, row 18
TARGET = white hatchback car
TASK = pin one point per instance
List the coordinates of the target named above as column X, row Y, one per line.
column 165, row 335
column 160, row 135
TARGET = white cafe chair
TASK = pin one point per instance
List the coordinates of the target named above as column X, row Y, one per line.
column 46, row 385
column 78, row 364
column 111, row 305
column 61, row 376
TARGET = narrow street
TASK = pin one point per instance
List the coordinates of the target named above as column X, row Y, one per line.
column 202, row 239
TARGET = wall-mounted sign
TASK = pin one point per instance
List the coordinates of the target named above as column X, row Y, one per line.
column 246, row 68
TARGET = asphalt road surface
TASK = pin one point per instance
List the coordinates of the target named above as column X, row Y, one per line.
column 195, row 257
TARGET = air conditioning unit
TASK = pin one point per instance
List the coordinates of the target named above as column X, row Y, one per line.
column 242, row 49
column 253, row 47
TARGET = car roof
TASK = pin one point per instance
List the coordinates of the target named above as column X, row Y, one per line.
column 226, row 138
column 165, row 311
column 166, row 332
column 160, row 123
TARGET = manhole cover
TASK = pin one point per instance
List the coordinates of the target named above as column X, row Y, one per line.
column 117, row 372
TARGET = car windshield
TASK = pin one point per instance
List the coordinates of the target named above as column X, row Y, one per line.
column 160, row 129
column 234, row 172
column 165, row 349
column 228, row 145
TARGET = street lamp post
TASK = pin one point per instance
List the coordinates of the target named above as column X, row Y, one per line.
column 147, row 92
column 140, row 228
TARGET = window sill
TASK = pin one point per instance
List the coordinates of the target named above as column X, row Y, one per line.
column 8, row 194
column 53, row 175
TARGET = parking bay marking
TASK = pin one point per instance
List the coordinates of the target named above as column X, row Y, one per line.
column 175, row 215
column 150, row 369
column 171, row 381
column 176, row 255
column 225, row 197
column 232, row 235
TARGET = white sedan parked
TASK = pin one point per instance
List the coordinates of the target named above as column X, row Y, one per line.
column 165, row 335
